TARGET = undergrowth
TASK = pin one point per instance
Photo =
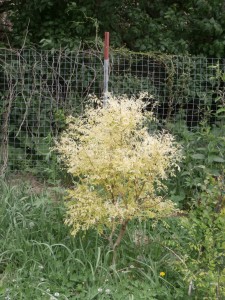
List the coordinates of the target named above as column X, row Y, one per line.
column 40, row 260
column 179, row 257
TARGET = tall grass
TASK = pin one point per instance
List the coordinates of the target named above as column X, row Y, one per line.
column 40, row 260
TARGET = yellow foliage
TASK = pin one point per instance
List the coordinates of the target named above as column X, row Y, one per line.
column 120, row 165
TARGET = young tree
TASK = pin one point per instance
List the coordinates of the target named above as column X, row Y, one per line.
column 120, row 167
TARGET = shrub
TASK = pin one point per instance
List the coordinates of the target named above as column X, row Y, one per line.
column 201, row 243
column 119, row 166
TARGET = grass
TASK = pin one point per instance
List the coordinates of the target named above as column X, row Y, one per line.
column 39, row 259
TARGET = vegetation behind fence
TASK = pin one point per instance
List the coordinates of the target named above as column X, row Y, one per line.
column 38, row 89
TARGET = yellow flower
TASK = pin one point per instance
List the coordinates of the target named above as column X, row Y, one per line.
column 162, row 274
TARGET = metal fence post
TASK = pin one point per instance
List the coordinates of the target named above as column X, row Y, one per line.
column 106, row 68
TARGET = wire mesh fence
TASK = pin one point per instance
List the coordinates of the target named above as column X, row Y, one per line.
column 38, row 89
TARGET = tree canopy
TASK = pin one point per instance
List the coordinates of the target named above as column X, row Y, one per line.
column 175, row 27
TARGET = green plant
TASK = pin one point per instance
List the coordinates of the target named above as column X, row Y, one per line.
column 219, row 80
column 167, row 26
column 204, row 155
column 201, row 242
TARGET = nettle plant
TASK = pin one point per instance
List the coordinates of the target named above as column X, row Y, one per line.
column 119, row 165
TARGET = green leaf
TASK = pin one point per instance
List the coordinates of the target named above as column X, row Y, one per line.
column 220, row 110
column 198, row 156
column 223, row 77
column 214, row 158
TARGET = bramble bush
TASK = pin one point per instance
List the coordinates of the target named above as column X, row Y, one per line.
column 119, row 167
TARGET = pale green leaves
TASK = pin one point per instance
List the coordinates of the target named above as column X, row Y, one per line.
column 120, row 165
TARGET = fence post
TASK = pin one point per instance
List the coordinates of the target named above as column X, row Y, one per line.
column 106, row 69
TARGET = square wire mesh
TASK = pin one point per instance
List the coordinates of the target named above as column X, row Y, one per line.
column 38, row 89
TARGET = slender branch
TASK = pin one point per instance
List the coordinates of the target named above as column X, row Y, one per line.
column 121, row 234
column 5, row 129
column 110, row 238
column 119, row 239
column 140, row 191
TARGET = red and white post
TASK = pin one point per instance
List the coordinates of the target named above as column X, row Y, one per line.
column 106, row 69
